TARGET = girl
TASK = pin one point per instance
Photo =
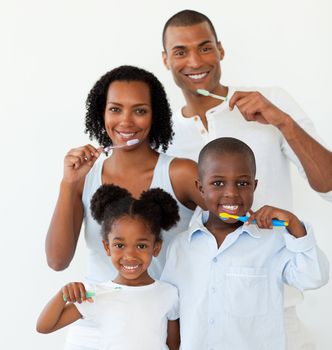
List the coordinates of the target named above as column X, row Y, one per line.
column 133, row 310
column 126, row 103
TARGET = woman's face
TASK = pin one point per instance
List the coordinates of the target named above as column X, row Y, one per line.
column 128, row 112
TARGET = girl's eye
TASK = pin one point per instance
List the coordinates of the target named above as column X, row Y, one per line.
column 141, row 246
column 119, row 245
column 218, row 183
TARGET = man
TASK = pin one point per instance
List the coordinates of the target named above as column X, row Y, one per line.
column 268, row 120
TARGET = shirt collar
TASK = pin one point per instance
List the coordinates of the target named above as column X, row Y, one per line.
column 197, row 227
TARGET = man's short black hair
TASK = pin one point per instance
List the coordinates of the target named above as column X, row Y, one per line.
column 187, row 18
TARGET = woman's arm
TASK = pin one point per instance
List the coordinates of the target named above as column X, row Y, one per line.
column 67, row 218
column 183, row 174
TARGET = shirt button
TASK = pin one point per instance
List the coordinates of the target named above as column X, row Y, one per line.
column 214, row 260
column 202, row 131
column 213, row 289
column 196, row 119
column 211, row 321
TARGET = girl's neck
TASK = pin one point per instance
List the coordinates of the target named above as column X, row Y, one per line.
column 139, row 282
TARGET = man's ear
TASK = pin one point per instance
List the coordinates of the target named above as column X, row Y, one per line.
column 199, row 186
column 107, row 247
column 221, row 50
column 256, row 182
column 164, row 56
column 157, row 246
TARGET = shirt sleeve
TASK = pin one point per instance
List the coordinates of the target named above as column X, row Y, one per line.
column 306, row 266
column 174, row 312
column 287, row 104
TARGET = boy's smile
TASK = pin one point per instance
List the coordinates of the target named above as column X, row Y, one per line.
column 227, row 185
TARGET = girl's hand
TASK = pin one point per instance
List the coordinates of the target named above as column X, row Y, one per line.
column 75, row 292
column 264, row 217
column 78, row 162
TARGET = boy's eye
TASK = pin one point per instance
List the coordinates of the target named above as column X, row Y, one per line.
column 217, row 183
column 141, row 246
column 243, row 183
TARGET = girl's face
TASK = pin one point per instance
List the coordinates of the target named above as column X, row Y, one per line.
column 128, row 112
column 132, row 245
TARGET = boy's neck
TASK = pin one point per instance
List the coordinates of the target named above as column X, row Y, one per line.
column 220, row 229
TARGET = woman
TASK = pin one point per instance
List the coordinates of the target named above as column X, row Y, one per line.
column 127, row 103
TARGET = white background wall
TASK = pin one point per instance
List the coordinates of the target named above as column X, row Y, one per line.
column 51, row 54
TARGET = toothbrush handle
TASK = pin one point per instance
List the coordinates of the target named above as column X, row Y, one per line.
column 276, row 222
column 88, row 294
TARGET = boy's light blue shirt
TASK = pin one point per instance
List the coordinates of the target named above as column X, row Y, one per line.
column 231, row 297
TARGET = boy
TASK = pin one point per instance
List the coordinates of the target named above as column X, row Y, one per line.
column 230, row 275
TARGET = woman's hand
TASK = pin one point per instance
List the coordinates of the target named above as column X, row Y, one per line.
column 78, row 162
column 264, row 217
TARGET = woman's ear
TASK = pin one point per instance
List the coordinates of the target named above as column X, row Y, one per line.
column 107, row 247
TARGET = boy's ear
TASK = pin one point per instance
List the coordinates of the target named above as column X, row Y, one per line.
column 107, row 247
column 157, row 247
column 256, row 182
column 199, row 186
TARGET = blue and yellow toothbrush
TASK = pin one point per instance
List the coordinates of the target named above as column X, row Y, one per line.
column 275, row 222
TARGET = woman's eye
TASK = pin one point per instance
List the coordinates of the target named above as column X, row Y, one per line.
column 140, row 111
column 114, row 109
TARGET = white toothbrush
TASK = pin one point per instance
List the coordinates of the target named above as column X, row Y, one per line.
column 128, row 143
column 207, row 93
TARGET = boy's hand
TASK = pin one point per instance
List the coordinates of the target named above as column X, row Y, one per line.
column 75, row 292
column 264, row 217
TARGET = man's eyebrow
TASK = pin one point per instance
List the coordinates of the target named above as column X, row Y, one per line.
column 182, row 47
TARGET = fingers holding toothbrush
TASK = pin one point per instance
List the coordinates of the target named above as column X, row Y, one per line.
column 78, row 161
column 264, row 217
column 255, row 107
column 75, row 292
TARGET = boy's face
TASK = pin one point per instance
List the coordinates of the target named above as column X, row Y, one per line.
column 227, row 184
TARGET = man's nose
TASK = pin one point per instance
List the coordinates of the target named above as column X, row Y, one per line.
column 194, row 59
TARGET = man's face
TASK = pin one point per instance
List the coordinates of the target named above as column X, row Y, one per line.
column 193, row 56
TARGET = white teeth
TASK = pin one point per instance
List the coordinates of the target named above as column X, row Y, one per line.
column 126, row 135
column 130, row 267
column 197, row 76
column 230, row 207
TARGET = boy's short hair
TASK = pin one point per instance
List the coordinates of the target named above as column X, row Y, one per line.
column 224, row 145
column 187, row 18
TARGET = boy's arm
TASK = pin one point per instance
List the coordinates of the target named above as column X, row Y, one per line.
column 57, row 314
column 173, row 335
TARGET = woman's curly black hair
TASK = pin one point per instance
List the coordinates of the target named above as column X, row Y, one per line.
column 157, row 208
column 161, row 132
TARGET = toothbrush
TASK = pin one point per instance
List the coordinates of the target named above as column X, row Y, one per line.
column 207, row 93
column 88, row 294
column 275, row 222
column 128, row 143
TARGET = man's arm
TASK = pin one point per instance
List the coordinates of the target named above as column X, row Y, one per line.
column 315, row 159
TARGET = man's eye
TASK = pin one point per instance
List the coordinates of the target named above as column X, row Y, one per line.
column 141, row 246
column 206, row 49
column 179, row 53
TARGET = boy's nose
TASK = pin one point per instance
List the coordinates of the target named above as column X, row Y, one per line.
column 231, row 191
